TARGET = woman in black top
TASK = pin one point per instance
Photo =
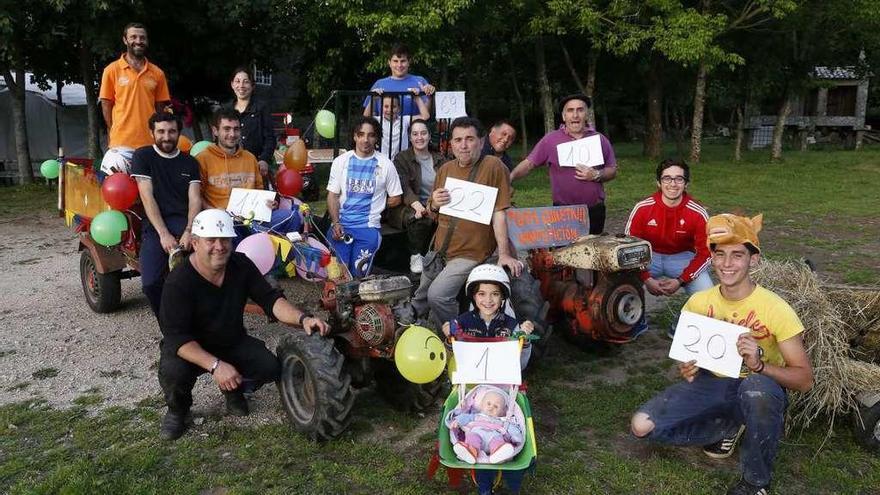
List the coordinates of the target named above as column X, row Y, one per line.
column 256, row 121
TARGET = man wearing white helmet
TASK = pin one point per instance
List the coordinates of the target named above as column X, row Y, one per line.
column 202, row 326
column 488, row 289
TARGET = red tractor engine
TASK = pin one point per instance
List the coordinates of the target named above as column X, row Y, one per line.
column 367, row 312
column 593, row 286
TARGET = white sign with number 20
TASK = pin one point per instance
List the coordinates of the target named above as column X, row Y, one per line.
column 711, row 342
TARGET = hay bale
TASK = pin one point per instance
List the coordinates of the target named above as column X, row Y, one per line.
column 837, row 377
column 860, row 308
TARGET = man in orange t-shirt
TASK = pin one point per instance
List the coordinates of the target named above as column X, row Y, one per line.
column 132, row 89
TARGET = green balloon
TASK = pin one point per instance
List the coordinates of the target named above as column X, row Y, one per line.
column 50, row 169
column 107, row 227
column 199, row 147
column 325, row 124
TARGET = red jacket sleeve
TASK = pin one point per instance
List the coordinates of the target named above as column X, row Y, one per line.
column 701, row 258
column 635, row 227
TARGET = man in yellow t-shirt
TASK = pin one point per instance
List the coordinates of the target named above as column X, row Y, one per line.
column 714, row 411
column 132, row 90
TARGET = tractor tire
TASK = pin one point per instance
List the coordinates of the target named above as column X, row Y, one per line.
column 402, row 394
column 103, row 291
column 314, row 386
column 867, row 427
column 528, row 304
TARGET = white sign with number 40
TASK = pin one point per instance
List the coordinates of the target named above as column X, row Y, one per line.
column 487, row 362
column 711, row 342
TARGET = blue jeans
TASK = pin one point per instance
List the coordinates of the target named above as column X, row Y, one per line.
column 672, row 265
column 711, row 408
column 153, row 259
column 357, row 255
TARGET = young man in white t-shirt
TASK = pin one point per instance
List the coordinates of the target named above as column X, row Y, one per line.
column 362, row 184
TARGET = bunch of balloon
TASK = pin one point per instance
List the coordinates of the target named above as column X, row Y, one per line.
column 120, row 191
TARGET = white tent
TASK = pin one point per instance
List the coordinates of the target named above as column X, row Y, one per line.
column 44, row 120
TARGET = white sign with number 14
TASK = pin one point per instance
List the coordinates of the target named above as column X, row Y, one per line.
column 711, row 342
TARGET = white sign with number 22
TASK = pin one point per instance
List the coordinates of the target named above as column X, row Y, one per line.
column 711, row 342
column 470, row 201
column 487, row 362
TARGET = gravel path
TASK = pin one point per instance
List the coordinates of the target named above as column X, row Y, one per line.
column 53, row 347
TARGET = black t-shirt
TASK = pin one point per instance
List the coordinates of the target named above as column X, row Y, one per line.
column 195, row 309
column 171, row 178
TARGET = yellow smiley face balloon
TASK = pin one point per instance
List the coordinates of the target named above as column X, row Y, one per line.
column 420, row 355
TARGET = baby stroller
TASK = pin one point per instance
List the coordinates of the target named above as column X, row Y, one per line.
column 519, row 412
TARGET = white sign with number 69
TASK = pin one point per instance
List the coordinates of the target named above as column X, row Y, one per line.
column 711, row 342
column 470, row 201
column 487, row 362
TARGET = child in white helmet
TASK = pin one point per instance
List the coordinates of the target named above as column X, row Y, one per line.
column 488, row 288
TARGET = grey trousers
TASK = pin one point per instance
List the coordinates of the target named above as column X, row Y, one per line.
column 439, row 287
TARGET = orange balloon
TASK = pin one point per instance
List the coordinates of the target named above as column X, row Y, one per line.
column 296, row 157
column 184, row 144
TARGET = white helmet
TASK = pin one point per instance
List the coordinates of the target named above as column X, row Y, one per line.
column 488, row 273
column 117, row 160
column 213, row 223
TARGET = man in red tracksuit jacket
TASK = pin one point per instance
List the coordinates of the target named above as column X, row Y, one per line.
column 675, row 225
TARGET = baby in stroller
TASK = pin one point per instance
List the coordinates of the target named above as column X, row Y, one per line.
column 490, row 434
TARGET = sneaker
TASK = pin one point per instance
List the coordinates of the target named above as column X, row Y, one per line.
column 173, row 426
column 746, row 488
column 236, row 404
column 501, row 454
column 722, row 449
column 415, row 263
column 465, row 452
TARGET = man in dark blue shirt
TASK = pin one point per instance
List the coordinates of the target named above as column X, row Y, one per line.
column 170, row 189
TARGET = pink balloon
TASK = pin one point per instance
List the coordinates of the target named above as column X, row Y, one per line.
column 260, row 250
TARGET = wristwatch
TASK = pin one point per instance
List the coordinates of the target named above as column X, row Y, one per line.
column 303, row 317
column 214, row 366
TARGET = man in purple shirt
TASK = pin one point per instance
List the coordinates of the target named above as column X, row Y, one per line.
column 579, row 185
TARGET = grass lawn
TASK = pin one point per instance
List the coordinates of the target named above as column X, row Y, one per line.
column 818, row 204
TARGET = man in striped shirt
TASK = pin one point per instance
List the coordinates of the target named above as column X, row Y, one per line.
column 675, row 225
column 362, row 183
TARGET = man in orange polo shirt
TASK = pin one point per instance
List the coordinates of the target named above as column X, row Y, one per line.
column 132, row 89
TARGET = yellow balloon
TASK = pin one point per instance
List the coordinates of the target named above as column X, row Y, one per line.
column 420, row 355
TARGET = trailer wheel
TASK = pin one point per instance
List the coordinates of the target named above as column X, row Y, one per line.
column 867, row 427
column 315, row 387
column 103, row 291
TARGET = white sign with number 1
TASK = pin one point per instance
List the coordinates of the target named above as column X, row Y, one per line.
column 711, row 342
column 470, row 201
column 487, row 362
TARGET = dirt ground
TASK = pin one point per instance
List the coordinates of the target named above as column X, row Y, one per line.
column 53, row 347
